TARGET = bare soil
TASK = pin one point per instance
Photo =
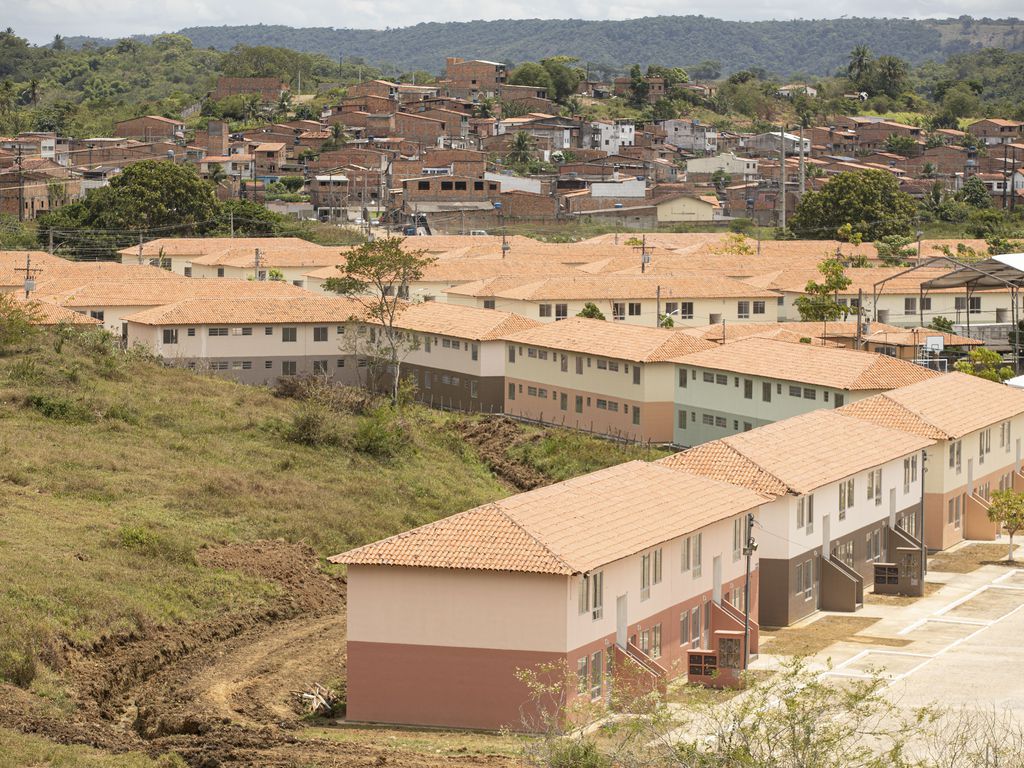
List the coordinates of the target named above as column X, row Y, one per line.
column 492, row 437
column 970, row 558
column 219, row 693
column 809, row 639
column 870, row 598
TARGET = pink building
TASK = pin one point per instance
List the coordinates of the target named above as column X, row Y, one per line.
column 638, row 560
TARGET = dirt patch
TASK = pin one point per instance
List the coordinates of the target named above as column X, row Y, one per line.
column 219, row 693
column 870, row 598
column 969, row 558
column 812, row 638
column 492, row 437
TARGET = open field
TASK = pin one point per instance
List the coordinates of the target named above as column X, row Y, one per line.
column 162, row 545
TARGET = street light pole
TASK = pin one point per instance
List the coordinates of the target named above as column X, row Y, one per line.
column 748, row 550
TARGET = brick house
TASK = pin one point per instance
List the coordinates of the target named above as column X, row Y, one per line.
column 474, row 78
column 150, row 128
column 993, row 131
column 269, row 89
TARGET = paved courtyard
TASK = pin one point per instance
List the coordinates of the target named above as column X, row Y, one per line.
column 961, row 646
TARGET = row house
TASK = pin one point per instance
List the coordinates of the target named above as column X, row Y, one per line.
column 381, row 89
column 844, row 493
column 611, row 136
column 944, row 160
column 371, row 104
column 994, row 131
column 596, row 376
column 632, row 299
column 873, row 135
column 35, row 187
column 745, row 384
column 443, row 619
column 976, row 427
column 151, row 128
column 45, row 144
column 656, row 88
column 363, row 157
column 550, row 132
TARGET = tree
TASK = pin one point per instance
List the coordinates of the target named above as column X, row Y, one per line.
column 377, row 275
column 860, row 65
column 17, row 321
column 960, row 101
column 58, row 43
column 901, row 145
column 975, row 193
column 532, row 73
column 819, row 299
column 215, row 173
column 890, row 75
column 895, row 250
column 985, row 364
column 484, row 107
column 639, row 88
column 707, row 70
column 590, row 310
column 940, row 323
column 520, row 151
column 1007, row 509
column 870, row 201
column 564, row 77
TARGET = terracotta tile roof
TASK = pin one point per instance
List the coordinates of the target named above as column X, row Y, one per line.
column 140, row 293
column 848, row 369
column 805, row 452
column 50, row 314
column 833, row 330
column 915, row 337
column 462, row 322
column 720, row 461
column 265, row 310
column 954, row 404
column 795, row 280
column 609, row 339
column 238, row 251
column 570, row 527
column 594, row 287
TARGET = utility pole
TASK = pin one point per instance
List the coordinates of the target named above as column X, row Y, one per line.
column 801, row 159
column 860, row 325
column 782, row 177
column 657, row 307
column 256, row 262
column 749, row 551
column 1007, row 179
column 141, row 261
column 21, row 186
column 50, row 236
column 231, row 220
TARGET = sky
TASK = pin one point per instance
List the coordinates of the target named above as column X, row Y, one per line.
column 39, row 20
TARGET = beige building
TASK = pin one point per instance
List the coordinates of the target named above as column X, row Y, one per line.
column 636, row 561
column 632, row 299
column 976, row 426
column 602, row 377
column 755, row 381
column 845, row 497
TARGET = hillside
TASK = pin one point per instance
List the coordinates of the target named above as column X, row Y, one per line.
column 811, row 46
column 159, row 531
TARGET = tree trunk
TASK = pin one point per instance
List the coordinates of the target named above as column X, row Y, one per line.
column 1011, row 548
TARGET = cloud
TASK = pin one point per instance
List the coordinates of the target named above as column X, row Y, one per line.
column 39, row 20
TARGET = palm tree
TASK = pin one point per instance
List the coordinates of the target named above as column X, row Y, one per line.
column 32, row 92
column 521, row 150
column 860, row 63
column 284, row 104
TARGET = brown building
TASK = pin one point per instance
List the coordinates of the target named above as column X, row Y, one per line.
column 269, row 89
column 150, row 128
column 474, row 78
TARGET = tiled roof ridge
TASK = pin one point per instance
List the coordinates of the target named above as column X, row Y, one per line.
column 533, row 537
column 757, row 466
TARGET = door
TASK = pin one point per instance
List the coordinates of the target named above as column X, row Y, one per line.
column 826, row 538
column 716, row 570
column 621, row 621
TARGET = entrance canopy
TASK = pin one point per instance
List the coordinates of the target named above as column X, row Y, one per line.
column 996, row 272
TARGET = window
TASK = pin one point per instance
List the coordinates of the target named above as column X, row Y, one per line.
column 721, row 378
column 737, row 538
column 583, row 678
column 220, row 271
column 341, row 362
column 796, row 391
column 636, row 415
column 511, row 389
column 748, row 389
column 657, row 567
column 684, row 627
column 531, row 352
column 707, row 419
column 805, row 512
column 681, row 419
column 563, row 402
column 682, row 377
column 561, row 311
column 474, row 352
column 810, row 394
column 320, row 333
column 875, row 486
column 613, row 406
column 697, row 553
column 984, row 445
column 531, row 391
column 695, row 626
column 709, row 377
column 268, row 364
column 579, row 403
column 686, row 310
column 545, row 310
column 446, row 186
column 288, row 368
column 634, row 309
column 618, row 310
column 1004, row 436
column 758, row 307
column 602, row 404
column 909, row 472
column 910, row 306
column 597, row 595
column 289, row 334
column 595, row 675
column 460, row 186
column 766, row 391
column 188, row 271
column 584, row 594
column 721, row 422
column 839, row 400
column 218, row 331
column 511, row 353
column 926, row 304
column 845, row 498
column 671, row 308
column 955, row 455
column 645, row 576
column 684, row 557
column 742, row 309
column 268, row 330
column 320, row 366
column 170, row 335
column 805, row 578
column 655, row 651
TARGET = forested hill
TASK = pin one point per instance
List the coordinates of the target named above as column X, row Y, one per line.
column 813, row 47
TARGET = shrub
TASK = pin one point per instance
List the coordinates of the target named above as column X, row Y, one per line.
column 150, row 543
column 60, row 408
column 382, row 434
column 313, row 424
column 572, row 753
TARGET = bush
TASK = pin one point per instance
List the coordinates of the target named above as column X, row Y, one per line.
column 382, row 434
column 150, row 543
column 313, row 425
column 17, row 661
column 571, row 753
column 60, row 408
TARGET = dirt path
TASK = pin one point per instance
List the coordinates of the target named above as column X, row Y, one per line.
column 219, row 693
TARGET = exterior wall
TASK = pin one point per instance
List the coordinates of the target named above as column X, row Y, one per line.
column 944, row 483
column 700, row 399
column 686, row 208
column 705, row 310
column 786, row 546
column 891, row 308
column 572, row 398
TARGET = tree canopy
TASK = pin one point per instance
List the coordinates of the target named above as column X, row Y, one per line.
column 869, row 201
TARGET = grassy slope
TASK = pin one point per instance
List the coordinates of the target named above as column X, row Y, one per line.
column 122, row 469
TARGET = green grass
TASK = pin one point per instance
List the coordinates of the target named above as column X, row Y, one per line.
column 18, row 750
column 114, row 471
column 561, row 454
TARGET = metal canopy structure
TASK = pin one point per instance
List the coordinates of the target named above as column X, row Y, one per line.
column 996, row 272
